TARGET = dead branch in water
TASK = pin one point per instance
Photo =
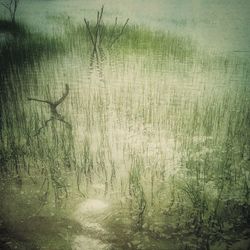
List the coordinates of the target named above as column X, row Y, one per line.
column 89, row 31
column 53, row 109
column 97, row 35
column 120, row 34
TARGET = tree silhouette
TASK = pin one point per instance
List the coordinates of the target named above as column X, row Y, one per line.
column 11, row 6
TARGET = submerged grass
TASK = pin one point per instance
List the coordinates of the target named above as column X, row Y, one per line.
column 158, row 127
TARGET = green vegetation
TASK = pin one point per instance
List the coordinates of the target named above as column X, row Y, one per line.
column 159, row 129
column 11, row 6
column 14, row 28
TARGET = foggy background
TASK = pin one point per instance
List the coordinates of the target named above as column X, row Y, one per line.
column 221, row 25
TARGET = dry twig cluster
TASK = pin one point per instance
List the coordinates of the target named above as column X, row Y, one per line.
column 96, row 35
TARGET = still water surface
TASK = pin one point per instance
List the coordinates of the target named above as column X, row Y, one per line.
column 137, row 104
column 218, row 25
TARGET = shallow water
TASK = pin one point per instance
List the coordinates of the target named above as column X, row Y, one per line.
column 83, row 242
column 134, row 114
column 87, row 215
column 218, row 25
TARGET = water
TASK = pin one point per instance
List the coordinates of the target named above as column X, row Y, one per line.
column 87, row 214
column 82, row 242
column 218, row 25
column 130, row 108
column 138, row 116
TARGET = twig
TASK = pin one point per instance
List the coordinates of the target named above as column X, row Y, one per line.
column 98, row 34
column 89, row 31
column 113, row 30
column 119, row 35
column 101, row 33
column 53, row 108
column 96, row 28
column 38, row 100
column 44, row 126
column 64, row 96
column 6, row 6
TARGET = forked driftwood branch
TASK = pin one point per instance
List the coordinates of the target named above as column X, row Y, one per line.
column 53, row 109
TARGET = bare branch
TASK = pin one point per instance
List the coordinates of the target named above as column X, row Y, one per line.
column 113, row 30
column 54, row 114
column 38, row 100
column 98, row 26
column 63, row 97
column 96, row 38
column 101, row 28
column 119, row 35
column 6, row 6
column 44, row 126
column 97, row 19
column 89, row 31
column 101, row 14
column 101, row 33
column 50, row 102
column 97, row 29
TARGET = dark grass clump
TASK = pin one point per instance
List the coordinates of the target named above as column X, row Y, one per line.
column 27, row 49
column 14, row 28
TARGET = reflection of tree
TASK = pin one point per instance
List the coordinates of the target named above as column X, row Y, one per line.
column 96, row 60
column 53, row 109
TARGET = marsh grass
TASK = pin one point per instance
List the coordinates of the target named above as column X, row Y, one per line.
column 13, row 28
column 135, row 39
column 175, row 158
column 26, row 48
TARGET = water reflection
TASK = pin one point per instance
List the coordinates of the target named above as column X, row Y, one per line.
column 97, row 59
